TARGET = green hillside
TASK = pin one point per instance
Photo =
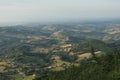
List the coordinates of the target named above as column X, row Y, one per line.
column 79, row 51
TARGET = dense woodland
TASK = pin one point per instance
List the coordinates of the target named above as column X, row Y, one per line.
column 106, row 67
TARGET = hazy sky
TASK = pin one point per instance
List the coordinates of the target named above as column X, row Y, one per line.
column 57, row 10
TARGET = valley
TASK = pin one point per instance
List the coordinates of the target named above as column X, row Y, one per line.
column 27, row 52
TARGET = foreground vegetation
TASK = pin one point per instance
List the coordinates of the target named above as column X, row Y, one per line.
column 106, row 67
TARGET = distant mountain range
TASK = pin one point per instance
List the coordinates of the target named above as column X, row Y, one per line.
column 26, row 51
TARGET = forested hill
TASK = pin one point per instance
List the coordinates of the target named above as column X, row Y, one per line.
column 79, row 51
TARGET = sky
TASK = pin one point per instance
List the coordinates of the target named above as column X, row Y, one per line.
column 58, row 10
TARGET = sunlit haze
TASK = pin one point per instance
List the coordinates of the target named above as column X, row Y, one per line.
column 57, row 10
